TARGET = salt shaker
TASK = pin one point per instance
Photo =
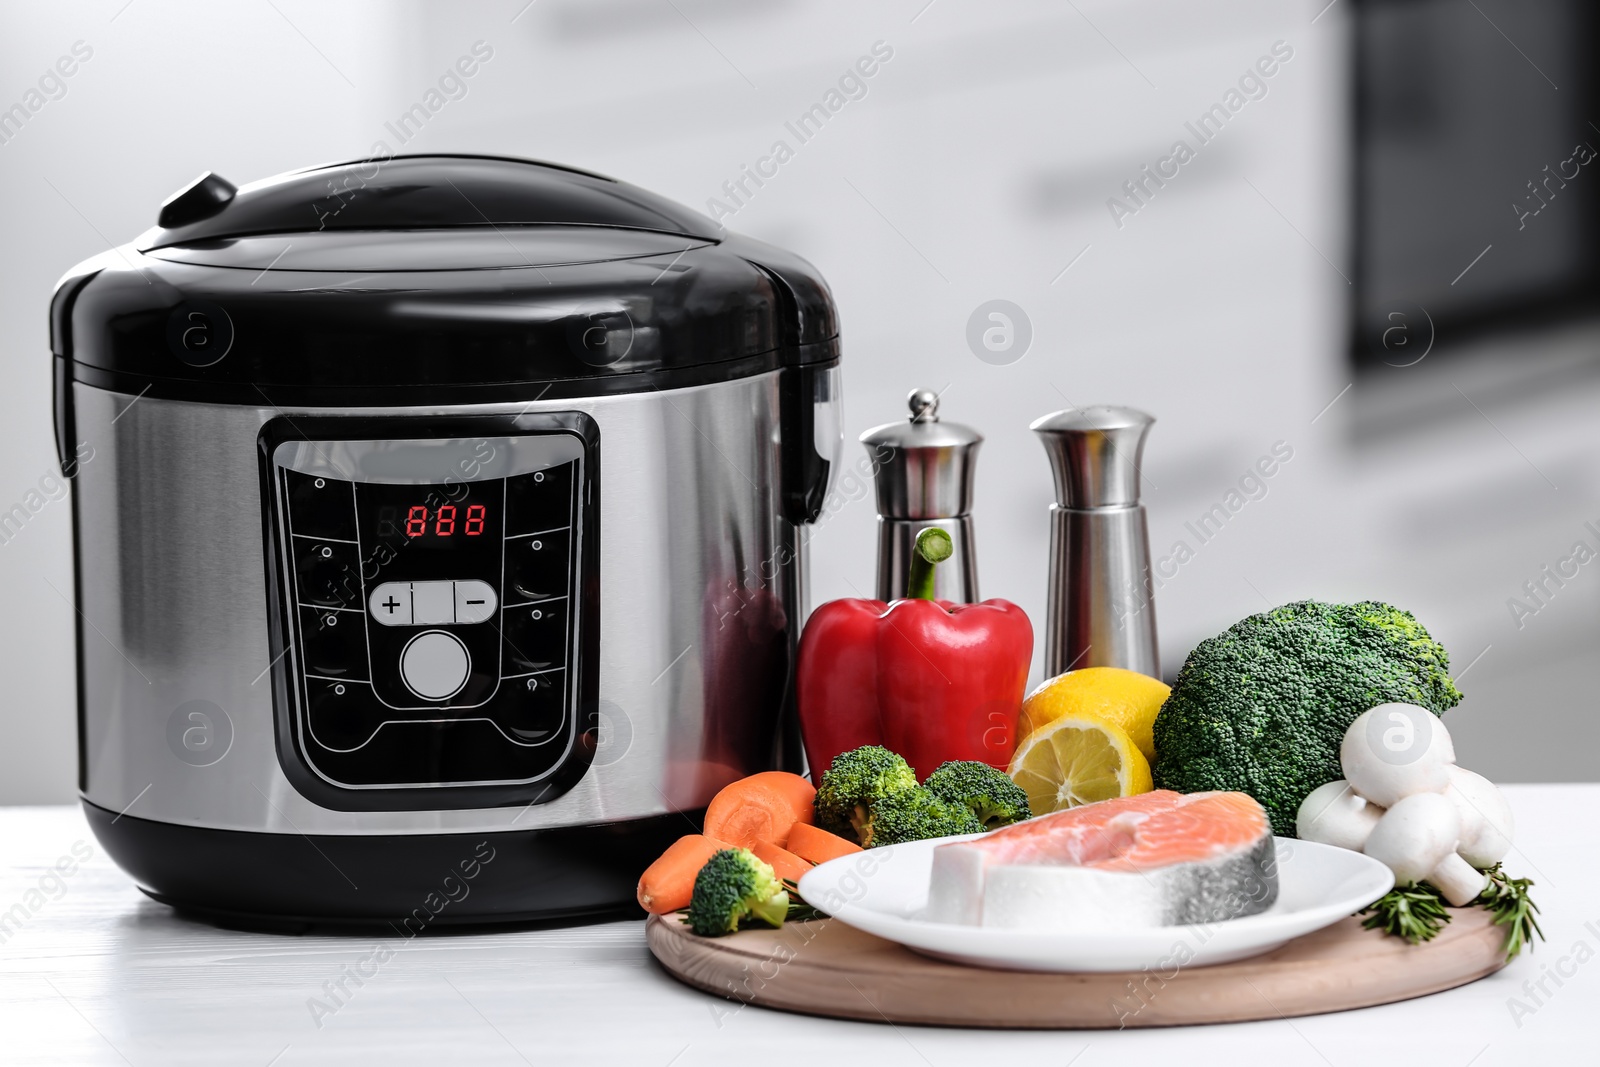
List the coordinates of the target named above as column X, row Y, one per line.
column 923, row 471
column 1102, row 608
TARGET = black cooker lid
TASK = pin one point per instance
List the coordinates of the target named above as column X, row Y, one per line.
column 417, row 193
column 433, row 279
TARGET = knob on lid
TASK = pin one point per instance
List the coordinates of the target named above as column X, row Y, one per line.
column 924, row 467
column 1095, row 454
column 200, row 199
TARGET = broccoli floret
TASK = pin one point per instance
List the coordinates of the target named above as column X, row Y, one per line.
column 916, row 815
column 734, row 886
column 1263, row 706
column 871, row 796
column 856, row 780
column 990, row 795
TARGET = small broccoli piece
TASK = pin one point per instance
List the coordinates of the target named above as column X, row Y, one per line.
column 856, row 780
column 916, row 815
column 732, row 887
column 1263, row 706
column 989, row 794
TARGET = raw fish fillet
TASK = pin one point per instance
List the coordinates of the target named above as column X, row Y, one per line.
column 1155, row 859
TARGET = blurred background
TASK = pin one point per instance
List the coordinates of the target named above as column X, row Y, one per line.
column 1377, row 255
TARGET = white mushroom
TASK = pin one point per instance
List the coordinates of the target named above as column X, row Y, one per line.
column 1335, row 814
column 1486, row 822
column 1396, row 750
column 1417, row 839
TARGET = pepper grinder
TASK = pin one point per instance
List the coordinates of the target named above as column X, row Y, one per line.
column 923, row 473
column 1102, row 607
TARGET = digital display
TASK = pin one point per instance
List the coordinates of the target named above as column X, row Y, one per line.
column 444, row 520
column 434, row 516
column 412, row 531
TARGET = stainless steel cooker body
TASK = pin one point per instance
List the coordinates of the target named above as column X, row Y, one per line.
column 699, row 589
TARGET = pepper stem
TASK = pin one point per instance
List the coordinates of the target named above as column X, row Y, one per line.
column 933, row 546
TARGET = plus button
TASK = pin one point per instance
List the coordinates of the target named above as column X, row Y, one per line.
column 391, row 603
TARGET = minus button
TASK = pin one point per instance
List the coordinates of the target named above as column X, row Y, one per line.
column 475, row 601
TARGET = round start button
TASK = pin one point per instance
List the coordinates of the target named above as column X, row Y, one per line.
column 435, row 665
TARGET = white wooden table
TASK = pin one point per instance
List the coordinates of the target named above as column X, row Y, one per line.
column 93, row 972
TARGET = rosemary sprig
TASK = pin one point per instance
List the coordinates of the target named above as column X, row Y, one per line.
column 1415, row 913
column 799, row 910
column 1508, row 901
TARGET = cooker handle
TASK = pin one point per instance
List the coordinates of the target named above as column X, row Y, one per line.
column 810, row 439
column 66, row 416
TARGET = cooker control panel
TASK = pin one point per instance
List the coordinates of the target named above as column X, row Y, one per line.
column 434, row 595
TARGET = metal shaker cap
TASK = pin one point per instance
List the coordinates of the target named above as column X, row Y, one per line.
column 1095, row 454
column 923, row 467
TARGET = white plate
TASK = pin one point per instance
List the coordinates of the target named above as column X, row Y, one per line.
column 884, row 890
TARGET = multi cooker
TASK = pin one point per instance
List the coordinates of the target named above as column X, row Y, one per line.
column 438, row 528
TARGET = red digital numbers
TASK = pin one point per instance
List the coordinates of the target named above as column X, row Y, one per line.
column 444, row 520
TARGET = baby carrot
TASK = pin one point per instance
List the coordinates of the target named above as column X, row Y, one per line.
column 668, row 884
column 818, row 846
column 784, row 863
column 761, row 807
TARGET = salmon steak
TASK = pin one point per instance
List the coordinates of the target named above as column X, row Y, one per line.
column 1154, row 859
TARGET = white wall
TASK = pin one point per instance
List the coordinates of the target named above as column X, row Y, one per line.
column 977, row 166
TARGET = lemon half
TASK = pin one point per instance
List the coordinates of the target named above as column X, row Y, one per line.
column 1125, row 699
column 1074, row 760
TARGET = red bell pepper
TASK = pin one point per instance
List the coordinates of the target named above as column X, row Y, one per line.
column 931, row 680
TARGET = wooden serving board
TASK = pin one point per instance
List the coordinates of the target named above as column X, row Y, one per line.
column 824, row 967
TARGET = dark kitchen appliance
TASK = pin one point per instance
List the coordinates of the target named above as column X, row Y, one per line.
column 436, row 534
